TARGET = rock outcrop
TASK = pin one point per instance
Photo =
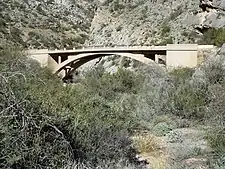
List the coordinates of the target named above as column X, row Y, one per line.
column 67, row 23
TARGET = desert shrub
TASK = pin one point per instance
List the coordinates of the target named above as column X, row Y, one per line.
column 117, row 5
column 146, row 143
column 182, row 74
column 107, row 2
column 107, row 165
column 214, row 70
column 186, row 101
column 125, row 62
column 46, row 125
column 2, row 26
column 165, row 29
column 213, row 37
column 199, row 100
column 119, row 28
column 215, row 107
column 216, row 138
column 29, row 138
column 110, row 86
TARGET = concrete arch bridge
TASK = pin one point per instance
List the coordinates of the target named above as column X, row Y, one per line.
column 64, row 61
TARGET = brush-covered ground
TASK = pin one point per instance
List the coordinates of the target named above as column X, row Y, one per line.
column 173, row 120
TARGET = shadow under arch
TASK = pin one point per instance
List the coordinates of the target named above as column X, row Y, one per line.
column 80, row 59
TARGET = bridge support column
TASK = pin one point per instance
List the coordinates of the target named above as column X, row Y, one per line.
column 181, row 55
column 156, row 58
column 59, row 59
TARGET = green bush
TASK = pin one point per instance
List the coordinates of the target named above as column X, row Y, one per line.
column 214, row 71
column 181, row 75
column 213, row 37
column 110, row 86
column 117, row 5
column 165, row 29
column 216, row 138
column 186, row 101
column 167, row 40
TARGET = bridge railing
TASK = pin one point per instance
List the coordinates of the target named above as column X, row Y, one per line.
column 100, row 46
column 122, row 46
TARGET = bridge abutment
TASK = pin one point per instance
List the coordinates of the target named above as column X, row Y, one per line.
column 181, row 55
column 40, row 56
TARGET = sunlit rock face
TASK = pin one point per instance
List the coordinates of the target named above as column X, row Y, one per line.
column 155, row 22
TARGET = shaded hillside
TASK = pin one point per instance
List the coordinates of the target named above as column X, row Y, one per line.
column 45, row 23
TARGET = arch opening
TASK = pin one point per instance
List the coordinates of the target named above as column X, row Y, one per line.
column 74, row 62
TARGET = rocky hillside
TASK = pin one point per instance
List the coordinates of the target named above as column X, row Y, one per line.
column 70, row 23
column 45, row 23
column 155, row 22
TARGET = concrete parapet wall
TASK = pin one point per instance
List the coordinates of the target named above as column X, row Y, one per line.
column 202, row 47
column 182, row 47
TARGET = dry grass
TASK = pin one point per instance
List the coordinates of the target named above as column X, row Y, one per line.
column 150, row 148
column 146, row 144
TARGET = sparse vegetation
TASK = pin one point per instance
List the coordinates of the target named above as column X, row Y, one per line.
column 125, row 62
column 176, row 13
column 166, row 40
column 117, row 6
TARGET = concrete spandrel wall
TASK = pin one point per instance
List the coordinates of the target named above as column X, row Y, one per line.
column 51, row 63
column 181, row 56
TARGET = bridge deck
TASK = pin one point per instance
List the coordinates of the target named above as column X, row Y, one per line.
column 147, row 50
column 123, row 49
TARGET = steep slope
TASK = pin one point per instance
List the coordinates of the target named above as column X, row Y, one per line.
column 45, row 23
column 155, row 22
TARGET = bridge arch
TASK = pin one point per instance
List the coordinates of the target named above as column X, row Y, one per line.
column 80, row 59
